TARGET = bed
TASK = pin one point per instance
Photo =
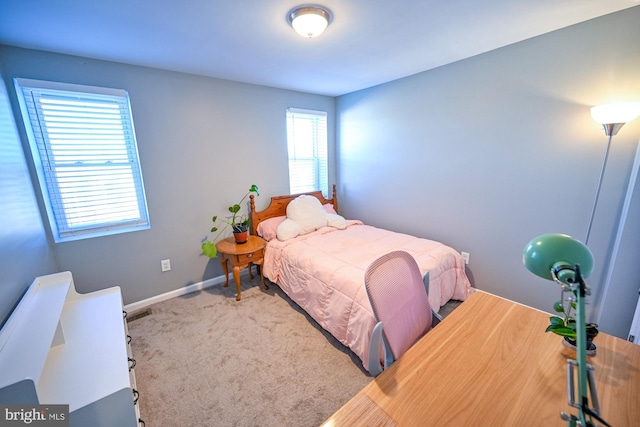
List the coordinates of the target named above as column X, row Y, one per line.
column 323, row 271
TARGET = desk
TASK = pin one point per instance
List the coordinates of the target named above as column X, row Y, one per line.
column 490, row 363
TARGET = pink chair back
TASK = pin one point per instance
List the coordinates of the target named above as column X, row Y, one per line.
column 399, row 300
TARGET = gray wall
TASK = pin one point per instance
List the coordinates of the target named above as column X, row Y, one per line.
column 487, row 153
column 483, row 154
column 24, row 251
column 624, row 283
column 202, row 142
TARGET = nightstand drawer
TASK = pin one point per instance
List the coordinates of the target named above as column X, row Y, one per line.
column 252, row 257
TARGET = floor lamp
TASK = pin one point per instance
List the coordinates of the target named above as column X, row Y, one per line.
column 612, row 117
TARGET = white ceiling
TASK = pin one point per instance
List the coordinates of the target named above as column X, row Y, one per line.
column 367, row 43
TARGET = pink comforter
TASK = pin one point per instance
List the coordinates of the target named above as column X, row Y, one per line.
column 323, row 272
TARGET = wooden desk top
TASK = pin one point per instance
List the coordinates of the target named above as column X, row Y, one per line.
column 490, row 363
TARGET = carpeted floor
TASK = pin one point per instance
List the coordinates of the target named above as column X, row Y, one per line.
column 206, row 360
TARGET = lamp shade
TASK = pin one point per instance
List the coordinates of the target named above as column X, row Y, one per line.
column 615, row 113
column 309, row 21
column 547, row 251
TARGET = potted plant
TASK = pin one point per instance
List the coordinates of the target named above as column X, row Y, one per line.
column 238, row 222
column 565, row 326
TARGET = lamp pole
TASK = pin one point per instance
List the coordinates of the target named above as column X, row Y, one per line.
column 595, row 200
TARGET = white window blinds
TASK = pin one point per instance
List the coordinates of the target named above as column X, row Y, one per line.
column 307, row 144
column 83, row 144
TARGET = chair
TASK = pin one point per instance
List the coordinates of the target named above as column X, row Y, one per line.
column 400, row 305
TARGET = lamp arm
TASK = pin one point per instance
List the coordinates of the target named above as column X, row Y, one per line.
column 583, row 367
column 581, row 347
column 569, row 277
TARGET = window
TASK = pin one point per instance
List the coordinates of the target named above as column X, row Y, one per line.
column 84, row 148
column 307, row 142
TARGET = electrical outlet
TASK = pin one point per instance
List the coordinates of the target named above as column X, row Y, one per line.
column 465, row 257
column 165, row 264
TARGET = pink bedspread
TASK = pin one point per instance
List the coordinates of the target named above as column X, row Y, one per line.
column 323, row 272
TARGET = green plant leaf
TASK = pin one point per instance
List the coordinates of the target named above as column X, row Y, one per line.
column 214, row 229
column 254, row 188
column 561, row 330
column 556, row 321
column 234, row 208
column 209, row 249
column 558, row 307
column 215, row 218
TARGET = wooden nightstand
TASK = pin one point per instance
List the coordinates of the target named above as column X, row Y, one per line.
column 241, row 256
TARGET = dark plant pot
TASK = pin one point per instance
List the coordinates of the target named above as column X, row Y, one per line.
column 239, row 228
column 592, row 332
column 241, row 237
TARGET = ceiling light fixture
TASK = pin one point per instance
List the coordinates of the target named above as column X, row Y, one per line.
column 309, row 21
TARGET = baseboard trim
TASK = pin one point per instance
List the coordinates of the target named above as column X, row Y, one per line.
column 176, row 293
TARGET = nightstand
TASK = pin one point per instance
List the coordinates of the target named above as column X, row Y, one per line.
column 241, row 256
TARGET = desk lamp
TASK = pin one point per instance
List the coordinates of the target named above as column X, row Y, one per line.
column 567, row 261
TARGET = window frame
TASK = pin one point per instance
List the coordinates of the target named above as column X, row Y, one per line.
column 319, row 151
column 50, row 170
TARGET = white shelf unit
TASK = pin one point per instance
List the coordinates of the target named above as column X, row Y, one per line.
column 62, row 347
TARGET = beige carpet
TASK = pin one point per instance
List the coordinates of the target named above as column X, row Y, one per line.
column 206, row 360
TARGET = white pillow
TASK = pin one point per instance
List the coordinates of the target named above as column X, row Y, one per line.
column 336, row 221
column 288, row 229
column 308, row 212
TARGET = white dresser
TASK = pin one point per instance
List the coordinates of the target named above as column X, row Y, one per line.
column 62, row 347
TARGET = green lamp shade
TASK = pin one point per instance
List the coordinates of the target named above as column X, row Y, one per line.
column 551, row 250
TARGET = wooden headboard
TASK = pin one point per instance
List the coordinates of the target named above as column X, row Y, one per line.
column 278, row 206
